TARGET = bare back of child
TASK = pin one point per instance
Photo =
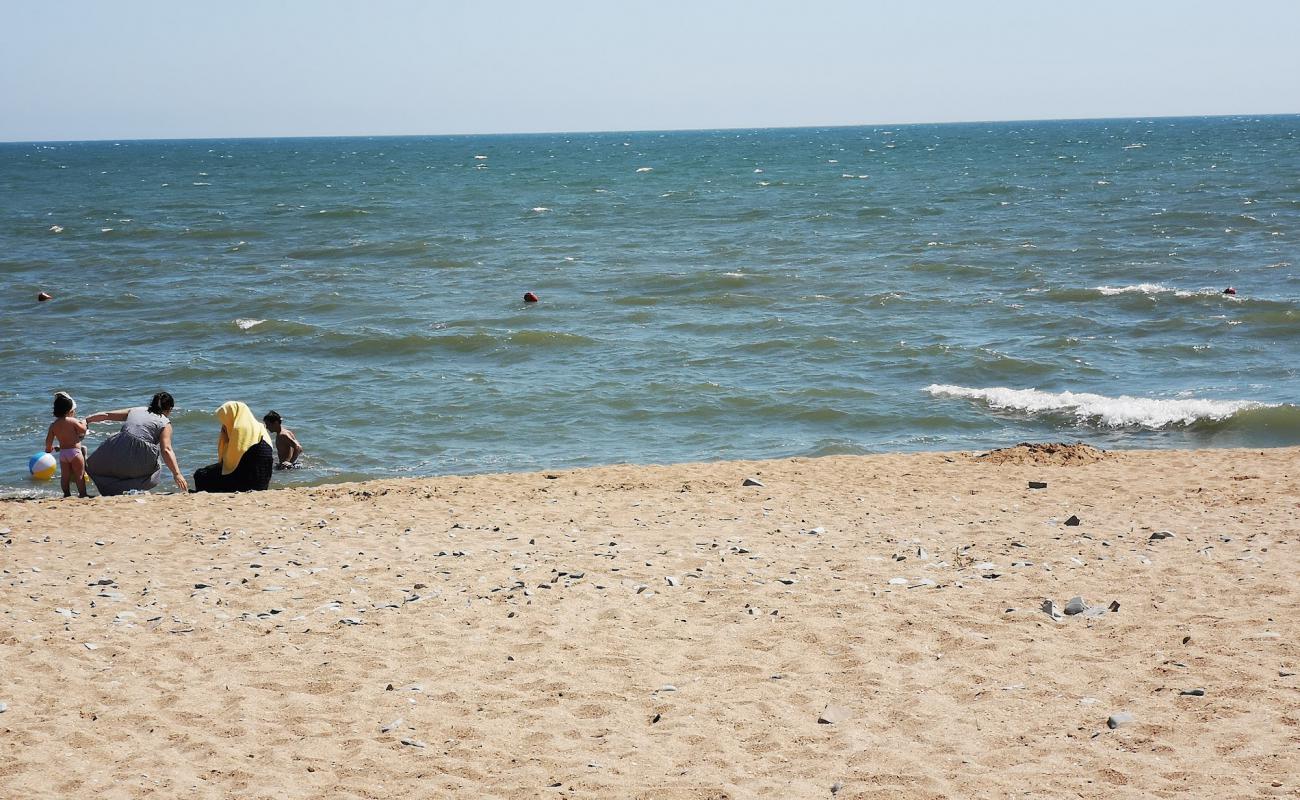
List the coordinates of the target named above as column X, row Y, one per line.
column 68, row 431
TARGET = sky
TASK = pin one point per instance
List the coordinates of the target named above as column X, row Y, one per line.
column 145, row 69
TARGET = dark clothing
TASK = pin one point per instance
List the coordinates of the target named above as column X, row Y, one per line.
column 252, row 475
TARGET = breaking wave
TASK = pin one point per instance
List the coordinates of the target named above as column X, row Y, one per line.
column 1116, row 412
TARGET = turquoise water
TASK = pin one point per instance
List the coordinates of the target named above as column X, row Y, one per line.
column 704, row 295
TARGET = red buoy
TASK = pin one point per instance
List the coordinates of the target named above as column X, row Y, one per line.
column 43, row 296
column 529, row 297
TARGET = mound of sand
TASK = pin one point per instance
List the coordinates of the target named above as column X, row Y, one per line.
column 1057, row 453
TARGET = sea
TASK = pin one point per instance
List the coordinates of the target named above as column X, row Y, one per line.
column 702, row 295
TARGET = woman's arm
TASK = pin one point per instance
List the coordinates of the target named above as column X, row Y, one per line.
column 169, row 457
column 108, row 416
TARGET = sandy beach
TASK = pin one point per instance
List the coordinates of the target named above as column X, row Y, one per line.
column 856, row 627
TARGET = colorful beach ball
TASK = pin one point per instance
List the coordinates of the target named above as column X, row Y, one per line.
column 42, row 466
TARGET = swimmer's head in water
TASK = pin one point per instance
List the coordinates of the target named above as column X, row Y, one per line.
column 272, row 421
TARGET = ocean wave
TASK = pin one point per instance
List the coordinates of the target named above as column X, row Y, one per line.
column 337, row 213
column 1137, row 288
column 1153, row 293
column 370, row 342
column 360, row 248
column 1160, row 288
column 237, row 234
column 1102, row 411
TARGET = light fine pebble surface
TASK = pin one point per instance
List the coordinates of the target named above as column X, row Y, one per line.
column 665, row 632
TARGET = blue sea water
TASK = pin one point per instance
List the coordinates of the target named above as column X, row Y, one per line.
column 704, row 295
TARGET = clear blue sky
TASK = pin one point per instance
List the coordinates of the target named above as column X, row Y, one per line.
column 77, row 69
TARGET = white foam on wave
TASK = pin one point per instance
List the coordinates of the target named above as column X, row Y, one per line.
column 645, row 169
column 246, row 324
column 1138, row 288
column 1160, row 288
column 1106, row 412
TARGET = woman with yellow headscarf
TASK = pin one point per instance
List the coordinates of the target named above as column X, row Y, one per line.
column 244, row 453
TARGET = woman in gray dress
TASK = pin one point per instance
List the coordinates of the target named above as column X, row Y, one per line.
column 129, row 458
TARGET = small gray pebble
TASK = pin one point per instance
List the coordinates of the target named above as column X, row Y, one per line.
column 1193, row 692
column 751, row 482
column 1121, row 718
column 833, row 714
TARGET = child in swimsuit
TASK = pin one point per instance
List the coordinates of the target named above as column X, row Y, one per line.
column 68, row 431
column 287, row 448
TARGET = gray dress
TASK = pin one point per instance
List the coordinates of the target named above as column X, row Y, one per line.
column 129, row 458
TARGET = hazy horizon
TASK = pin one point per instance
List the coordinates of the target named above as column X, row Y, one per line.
column 849, row 125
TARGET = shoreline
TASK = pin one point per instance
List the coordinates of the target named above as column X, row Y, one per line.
column 327, row 482
column 666, row 631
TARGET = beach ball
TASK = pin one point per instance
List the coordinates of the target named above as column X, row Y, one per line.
column 42, row 466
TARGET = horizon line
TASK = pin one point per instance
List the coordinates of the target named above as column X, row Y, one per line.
column 1127, row 118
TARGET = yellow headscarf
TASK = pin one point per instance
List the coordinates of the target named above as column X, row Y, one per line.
column 240, row 430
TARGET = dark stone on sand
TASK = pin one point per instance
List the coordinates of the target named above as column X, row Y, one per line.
column 1075, row 606
column 1038, row 484
column 833, row 714
column 1193, row 692
column 1118, row 719
column 1114, row 605
column 751, row 482
column 1073, row 521
column 1158, row 535
column 202, row 586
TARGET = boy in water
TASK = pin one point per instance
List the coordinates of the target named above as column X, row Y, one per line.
column 287, row 449
column 68, row 431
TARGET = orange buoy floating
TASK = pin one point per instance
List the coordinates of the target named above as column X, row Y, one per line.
column 529, row 297
column 1230, row 290
column 43, row 296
